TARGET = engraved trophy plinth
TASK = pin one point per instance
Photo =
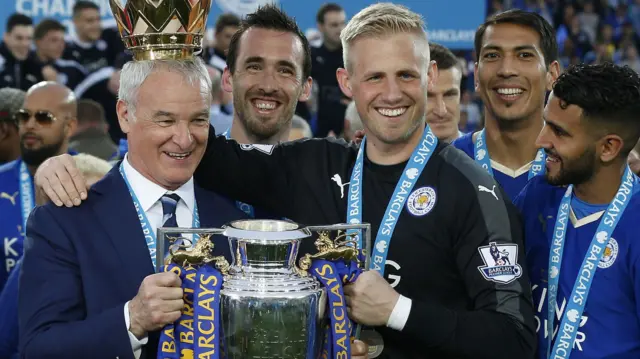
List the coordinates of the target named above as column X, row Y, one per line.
column 269, row 307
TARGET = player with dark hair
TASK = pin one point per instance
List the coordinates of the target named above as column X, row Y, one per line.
column 49, row 40
column 516, row 54
column 226, row 25
column 93, row 47
column 327, row 58
column 443, row 98
column 17, row 68
column 581, row 217
column 268, row 69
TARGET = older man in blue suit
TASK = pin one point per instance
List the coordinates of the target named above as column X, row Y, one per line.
column 88, row 287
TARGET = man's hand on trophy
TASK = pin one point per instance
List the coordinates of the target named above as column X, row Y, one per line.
column 359, row 350
column 370, row 300
column 61, row 181
column 158, row 303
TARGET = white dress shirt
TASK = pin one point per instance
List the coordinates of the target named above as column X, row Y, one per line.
column 149, row 195
column 400, row 313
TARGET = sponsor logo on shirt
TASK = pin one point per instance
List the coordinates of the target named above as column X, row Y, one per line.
column 501, row 263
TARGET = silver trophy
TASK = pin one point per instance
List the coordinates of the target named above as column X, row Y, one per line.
column 270, row 307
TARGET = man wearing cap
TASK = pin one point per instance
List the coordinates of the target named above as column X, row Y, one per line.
column 10, row 101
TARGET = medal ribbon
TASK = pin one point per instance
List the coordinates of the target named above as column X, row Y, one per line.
column 207, row 313
column 332, row 275
column 576, row 303
column 150, row 233
column 27, row 196
column 481, row 155
column 410, row 175
column 196, row 334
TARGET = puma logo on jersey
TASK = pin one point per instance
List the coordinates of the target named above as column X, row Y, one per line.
column 492, row 191
column 10, row 198
column 338, row 180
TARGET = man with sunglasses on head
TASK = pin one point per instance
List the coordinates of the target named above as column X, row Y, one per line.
column 46, row 121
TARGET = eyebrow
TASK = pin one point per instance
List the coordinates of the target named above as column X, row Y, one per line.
column 161, row 113
column 258, row 59
column 449, row 91
column 516, row 48
column 203, row 112
column 553, row 124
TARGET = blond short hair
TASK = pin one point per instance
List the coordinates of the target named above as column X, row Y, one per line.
column 90, row 165
column 378, row 20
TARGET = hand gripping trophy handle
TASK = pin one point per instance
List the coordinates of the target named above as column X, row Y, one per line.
column 345, row 249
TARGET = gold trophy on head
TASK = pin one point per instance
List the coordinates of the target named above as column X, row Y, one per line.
column 162, row 29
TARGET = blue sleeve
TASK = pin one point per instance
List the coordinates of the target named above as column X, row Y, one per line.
column 56, row 325
column 9, row 315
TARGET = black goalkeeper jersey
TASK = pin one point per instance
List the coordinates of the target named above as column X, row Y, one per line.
column 444, row 261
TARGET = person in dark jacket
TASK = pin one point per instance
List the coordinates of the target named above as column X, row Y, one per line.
column 18, row 67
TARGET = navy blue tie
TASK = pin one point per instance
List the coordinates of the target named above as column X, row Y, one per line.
column 169, row 205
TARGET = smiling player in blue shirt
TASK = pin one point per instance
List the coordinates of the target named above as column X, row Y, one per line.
column 581, row 218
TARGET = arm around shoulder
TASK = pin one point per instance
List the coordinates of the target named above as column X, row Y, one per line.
column 56, row 325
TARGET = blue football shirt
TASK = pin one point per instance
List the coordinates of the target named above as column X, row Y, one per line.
column 610, row 325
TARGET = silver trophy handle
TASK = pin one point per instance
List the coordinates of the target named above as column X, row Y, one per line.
column 160, row 250
column 366, row 228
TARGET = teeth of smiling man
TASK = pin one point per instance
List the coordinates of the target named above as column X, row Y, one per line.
column 510, row 91
column 392, row 112
column 264, row 105
column 179, row 156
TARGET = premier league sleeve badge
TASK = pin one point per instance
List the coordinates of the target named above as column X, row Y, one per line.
column 501, row 263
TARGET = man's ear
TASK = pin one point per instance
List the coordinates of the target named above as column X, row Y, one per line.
column 610, row 147
column 432, row 75
column 124, row 116
column 552, row 74
column 306, row 90
column 227, row 84
column 344, row 81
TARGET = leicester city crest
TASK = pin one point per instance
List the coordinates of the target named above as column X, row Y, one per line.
column 501, row 263
column 421, row 201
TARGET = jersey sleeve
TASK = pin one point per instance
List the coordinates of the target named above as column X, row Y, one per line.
column 487, row 244
column 269, row 177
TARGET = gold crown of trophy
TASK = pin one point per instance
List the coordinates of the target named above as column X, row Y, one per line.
column 269, row 306
column 162, row 29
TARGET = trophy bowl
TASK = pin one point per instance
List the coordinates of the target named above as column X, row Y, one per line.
column 269, row 307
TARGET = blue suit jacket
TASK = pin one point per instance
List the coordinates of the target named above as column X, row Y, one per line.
column 82, row 264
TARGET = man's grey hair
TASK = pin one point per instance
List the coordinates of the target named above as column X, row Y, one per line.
column 381, row 19
column 300, row 123
column 134, row 73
